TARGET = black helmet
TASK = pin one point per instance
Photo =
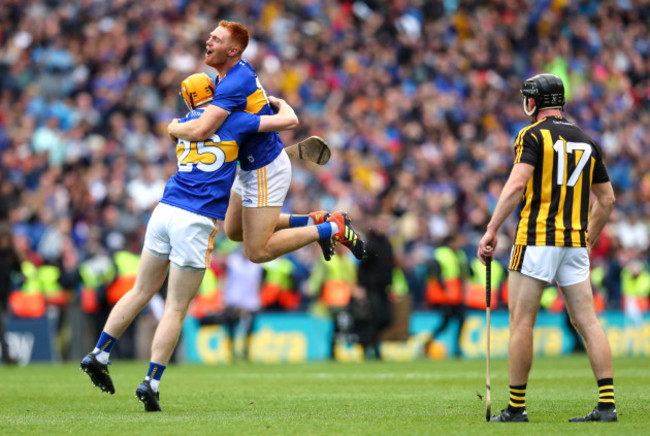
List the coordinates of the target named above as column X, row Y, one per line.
column 546, row 89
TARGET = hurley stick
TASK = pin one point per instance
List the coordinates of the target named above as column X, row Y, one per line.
column 488, row 292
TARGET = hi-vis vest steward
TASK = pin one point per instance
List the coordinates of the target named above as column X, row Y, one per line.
column 40, row 288
column 450, row 291
column 95, row 272
column 636, row 288
column 277, row 287
column 209, row 300
column 29, row 301
column 475, row 292
column 54, row 293
column 127, row 268
column 334, row 280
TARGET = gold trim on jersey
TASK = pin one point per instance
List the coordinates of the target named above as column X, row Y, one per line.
column 547, row 185
column 230, row 148
column 559, row 217
column 255, row 102
column 521, row 236
column 519, row 142
column 576, row 206
column 591, row 179
column 525, row 212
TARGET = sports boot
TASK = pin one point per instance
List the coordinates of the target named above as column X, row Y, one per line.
column 326, row 245
column 98, row 373
column 150, row 398
column 602, row 415
column 507, row 416
column 347, row 235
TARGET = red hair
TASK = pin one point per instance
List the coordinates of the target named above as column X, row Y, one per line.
column 238, row 33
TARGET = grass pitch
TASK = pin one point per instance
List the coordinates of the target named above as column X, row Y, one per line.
column 374, row 398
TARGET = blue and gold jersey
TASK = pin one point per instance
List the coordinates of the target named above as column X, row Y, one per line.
column 206, row 169
column 240, row 90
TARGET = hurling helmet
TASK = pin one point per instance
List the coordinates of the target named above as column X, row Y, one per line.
column 197, row 89
column 546, row 89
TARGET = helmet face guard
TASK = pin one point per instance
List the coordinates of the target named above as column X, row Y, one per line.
column 530, row 113
column 196, row 90
column 547, row 90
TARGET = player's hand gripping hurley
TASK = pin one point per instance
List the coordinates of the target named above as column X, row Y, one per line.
column 488, row 292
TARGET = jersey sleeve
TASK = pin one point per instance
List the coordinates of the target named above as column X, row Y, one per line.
column 239, row 125
column 250, row 123
column 229, row 95
column 600, row 172
column 526, row 148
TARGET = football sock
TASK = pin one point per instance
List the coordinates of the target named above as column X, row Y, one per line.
column 154, row 374
column 327, row 230
column 104, row 347
column 517, row 398
column 606, row 393
column 300, row 221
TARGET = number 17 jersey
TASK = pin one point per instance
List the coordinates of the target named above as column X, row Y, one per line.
column 206, row 169
column 556, row 200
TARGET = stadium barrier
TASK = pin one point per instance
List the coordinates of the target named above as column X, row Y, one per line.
column 32, row 339
column 301, row 337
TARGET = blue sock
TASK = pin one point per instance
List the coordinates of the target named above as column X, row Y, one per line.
column 327, row 230
column 154, row 374
column 104, row 347
column 106, row 342
column 299, row 221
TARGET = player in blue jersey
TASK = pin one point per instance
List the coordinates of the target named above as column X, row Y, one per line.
column 263, row 180
column 180, row 234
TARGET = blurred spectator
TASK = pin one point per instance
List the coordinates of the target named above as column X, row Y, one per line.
column 331, row 285
column 241, row 297
column 636, row 290
column 448, row 274
column 146, row 188
column 632, row 233
column 48, row 139
column 9, row 270
column 279, row 291
column 375, row 277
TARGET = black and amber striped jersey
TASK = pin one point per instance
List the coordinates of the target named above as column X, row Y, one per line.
column 555, row 204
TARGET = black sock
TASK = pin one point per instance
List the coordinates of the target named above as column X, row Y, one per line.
column 517, row 398
column 606, row 394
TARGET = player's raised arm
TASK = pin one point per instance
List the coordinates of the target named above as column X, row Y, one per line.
column 201, row 128
column 284, row 119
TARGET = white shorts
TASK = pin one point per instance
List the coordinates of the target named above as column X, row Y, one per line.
column 183, row 237
column 266, row 186
column 565, row 265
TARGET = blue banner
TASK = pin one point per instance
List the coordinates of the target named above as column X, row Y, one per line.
column 276, row 337
column 31, row 340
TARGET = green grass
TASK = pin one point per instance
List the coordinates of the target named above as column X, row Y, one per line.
column 419, row 398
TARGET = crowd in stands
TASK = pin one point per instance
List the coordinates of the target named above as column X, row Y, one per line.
column 419, row 101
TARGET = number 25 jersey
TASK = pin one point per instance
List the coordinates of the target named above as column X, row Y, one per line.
column 555, row 204
column 206, row 169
